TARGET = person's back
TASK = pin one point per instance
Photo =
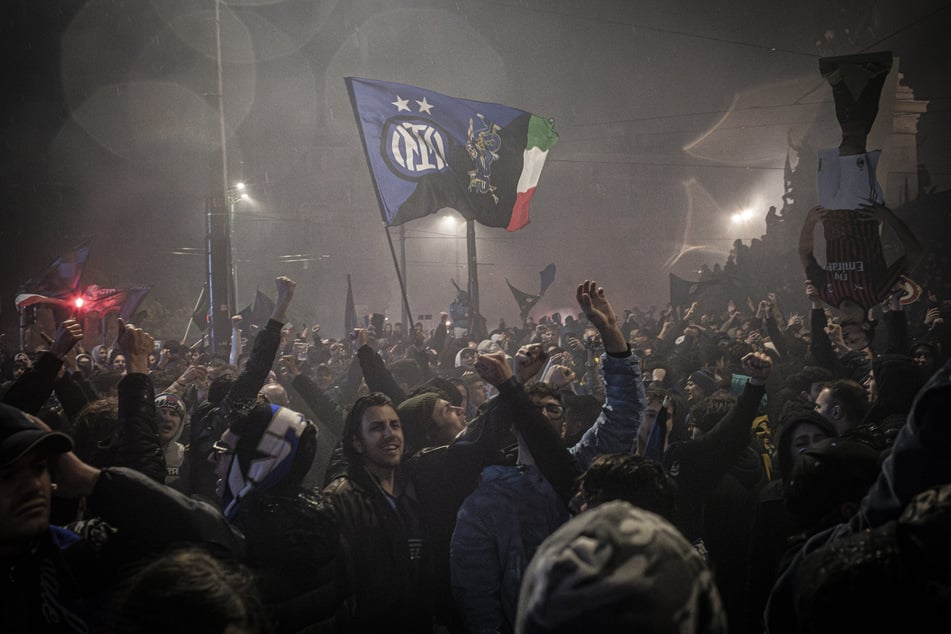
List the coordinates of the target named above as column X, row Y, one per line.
column 498, row 528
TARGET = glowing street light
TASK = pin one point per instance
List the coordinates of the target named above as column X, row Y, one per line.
column 742, row 216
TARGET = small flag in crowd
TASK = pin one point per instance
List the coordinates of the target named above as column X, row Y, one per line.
column 527, row 301
column 524, row 300
column 350, row 310
column 428, row 151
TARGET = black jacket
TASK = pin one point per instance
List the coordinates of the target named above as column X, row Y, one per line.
column 292, row 546
column 64, row 583
column 697, row 465
column 389, row 579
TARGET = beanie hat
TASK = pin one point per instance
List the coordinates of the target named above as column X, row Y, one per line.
column 444, row 388
column 618, row 568
column 416, row 417
column 705, row 380
column 167, row 400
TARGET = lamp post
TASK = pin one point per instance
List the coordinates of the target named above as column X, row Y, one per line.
column 218, row 270
column 235, row 195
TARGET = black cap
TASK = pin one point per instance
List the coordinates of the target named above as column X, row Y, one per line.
column 19, row 435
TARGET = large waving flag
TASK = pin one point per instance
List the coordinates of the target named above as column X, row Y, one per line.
column 61, row 277
column 428, row 151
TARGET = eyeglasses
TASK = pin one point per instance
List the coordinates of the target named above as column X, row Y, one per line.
column 551, row 408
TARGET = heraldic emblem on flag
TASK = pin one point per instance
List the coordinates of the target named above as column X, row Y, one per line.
column 428, row 151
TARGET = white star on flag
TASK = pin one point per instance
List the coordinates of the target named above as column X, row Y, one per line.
column 425, row 106
column 401, row 104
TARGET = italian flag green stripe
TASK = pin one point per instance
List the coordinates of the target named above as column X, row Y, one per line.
column 541, row 137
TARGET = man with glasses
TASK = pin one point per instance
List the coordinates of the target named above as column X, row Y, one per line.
column 548, row 401
column 517, row 506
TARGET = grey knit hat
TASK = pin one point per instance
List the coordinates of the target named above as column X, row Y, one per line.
column 618, row 568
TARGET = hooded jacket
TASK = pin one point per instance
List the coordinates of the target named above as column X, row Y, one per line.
column 897, row 380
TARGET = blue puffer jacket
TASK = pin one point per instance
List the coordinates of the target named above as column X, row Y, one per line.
column 616, row 427
column 498, row 530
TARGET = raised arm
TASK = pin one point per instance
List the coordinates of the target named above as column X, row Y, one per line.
column 615, row 429
column 807, row 237
column 914, row 252
column 729, row 437
column 324, row 408
column 31, row 391
column 236, row 342
column 137, row 440
column 252, row 377
column 375, row 373
column 540, row 438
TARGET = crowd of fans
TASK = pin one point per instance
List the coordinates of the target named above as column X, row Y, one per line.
column 405, row 480
column 722, row 465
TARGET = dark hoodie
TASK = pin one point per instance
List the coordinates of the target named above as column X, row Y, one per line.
column 773, row 525
column 897, row 379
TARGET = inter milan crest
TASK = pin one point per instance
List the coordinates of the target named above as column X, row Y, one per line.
column 414, row 147
column 483, row 145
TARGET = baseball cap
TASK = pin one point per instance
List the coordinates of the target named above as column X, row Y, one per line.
column 19, row 435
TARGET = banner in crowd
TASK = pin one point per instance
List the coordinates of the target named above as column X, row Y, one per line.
column 428, row 151
column 684, row 292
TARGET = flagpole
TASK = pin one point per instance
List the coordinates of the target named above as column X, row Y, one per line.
column 399, row 276
column 473, row 268
column 191, row 317
column 406, row 316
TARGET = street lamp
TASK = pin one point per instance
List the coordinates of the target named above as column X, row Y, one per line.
column 236, row 194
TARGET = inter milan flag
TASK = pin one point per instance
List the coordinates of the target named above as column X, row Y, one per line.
column 428, row 151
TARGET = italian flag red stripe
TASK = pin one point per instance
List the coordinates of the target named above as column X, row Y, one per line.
column 541, row 137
